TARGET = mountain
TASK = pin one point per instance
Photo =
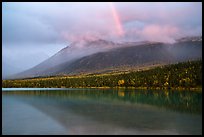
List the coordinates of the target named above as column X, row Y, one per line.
column 67, row 55
column 190, row 38
column 132, row 56
column 102, row 56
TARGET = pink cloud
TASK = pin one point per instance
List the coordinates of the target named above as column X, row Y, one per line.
column 160, row 33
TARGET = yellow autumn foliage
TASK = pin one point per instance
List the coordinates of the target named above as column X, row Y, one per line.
column 121, row 82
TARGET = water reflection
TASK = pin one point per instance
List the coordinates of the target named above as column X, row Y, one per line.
column 119, row 111
column 183, row 101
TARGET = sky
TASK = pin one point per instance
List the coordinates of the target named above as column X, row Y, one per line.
column 34, row 31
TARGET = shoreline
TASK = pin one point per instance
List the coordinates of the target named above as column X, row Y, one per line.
column 181, row 76
column 198, row 89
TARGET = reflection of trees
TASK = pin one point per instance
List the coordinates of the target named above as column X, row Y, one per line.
column 187, row 101
column 121, row 93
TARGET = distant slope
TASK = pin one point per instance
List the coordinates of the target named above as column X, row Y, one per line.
column 135, row 56
column 68, row 54
column 121, row 57
column 102, row 56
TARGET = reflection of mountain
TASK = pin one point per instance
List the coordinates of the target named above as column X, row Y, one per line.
column 83, row 108
column 102, row 56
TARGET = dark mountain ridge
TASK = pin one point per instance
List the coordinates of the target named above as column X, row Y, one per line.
column 101, row 55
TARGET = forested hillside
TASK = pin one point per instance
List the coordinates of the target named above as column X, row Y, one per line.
column 181, row 75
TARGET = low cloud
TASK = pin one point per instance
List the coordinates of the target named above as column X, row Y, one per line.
column 160, row 33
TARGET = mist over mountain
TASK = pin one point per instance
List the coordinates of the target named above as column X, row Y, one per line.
column 9, row 70
column 98, row 56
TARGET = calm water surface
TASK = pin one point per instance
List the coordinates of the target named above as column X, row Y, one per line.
column 98, row 111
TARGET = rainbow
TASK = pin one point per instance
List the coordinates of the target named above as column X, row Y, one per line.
column 117, row 20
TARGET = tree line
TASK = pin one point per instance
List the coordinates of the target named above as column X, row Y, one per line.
column 184, row 75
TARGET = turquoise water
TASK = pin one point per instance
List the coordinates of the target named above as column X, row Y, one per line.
column 98, row 111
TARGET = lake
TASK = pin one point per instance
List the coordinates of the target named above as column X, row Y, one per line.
column 101, row 111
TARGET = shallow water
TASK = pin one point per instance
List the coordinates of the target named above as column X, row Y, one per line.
column 98, row 111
